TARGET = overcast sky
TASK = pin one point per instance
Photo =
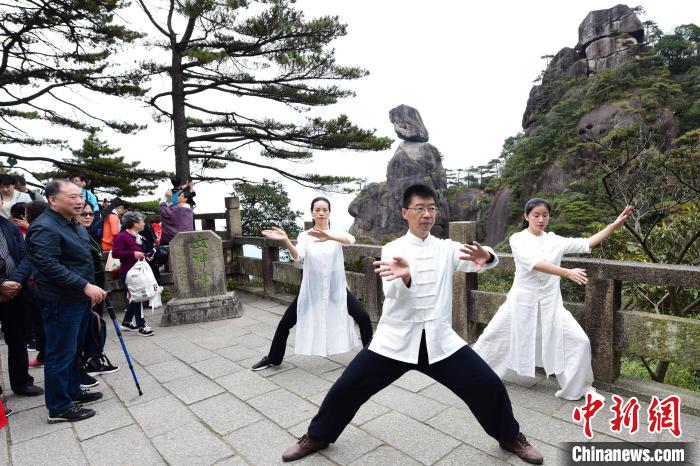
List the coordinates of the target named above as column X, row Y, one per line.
column 466, row 66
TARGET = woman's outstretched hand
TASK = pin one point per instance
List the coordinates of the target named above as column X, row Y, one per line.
column 275, row 233
column 577, row 276
column 394, row 268
column 320, row 235
column 622, row 218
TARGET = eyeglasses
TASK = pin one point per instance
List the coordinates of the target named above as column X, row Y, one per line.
column 421, row 210
column 87, row 214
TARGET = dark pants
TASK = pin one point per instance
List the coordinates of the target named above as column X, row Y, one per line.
column 132, row 309
column 13, row 316
column 289, row 320
column 95, row 337
column 463, row 372
column 34, row 314
column 65, row 325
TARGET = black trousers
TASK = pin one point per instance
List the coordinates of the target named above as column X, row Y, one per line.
column 463, row 372
column 34, row 316
column 13, row 314
column 289, row 320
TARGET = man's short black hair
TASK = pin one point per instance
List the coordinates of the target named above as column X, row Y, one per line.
column 177, row 181
column 419, row 190
column 19, row 179
column 53, row 187
column 6, row 179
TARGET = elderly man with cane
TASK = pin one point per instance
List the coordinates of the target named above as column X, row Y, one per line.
column 58, row 248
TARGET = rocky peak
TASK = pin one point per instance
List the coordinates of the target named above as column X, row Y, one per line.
column 608, row 23
column 377, row 208
column 408, row 124
column 606, row 39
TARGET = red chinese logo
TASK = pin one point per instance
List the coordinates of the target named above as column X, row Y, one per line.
column 587, row 412
column 665, row 415
column 626, row 415
column 662, row 414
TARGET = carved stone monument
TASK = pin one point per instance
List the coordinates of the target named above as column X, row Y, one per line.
column 199, row 276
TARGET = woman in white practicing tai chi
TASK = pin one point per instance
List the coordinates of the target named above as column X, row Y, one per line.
column 320, row 312
column 532, row 328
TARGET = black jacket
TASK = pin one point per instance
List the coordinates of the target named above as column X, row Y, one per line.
column 60, row 253
column 18, row 251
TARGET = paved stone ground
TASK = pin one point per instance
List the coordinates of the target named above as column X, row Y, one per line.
column 202, row 405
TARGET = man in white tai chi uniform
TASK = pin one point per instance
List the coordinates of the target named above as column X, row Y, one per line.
column 415, row 333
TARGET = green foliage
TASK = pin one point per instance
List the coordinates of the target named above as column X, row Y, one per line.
column 146, row 207
column 680, row 50
column 265, row 205
column 679, row 376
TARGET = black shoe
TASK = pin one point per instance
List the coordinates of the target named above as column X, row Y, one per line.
column 88, row 397
column 8, row 412
column 146, row 331
column 128, row 326
column 263, row 364
column 75, row 414
column 86, row 381
column 100, row 365
column 29, row 390
column 31, row 346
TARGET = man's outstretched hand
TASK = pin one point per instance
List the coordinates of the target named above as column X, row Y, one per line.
column 475, row 253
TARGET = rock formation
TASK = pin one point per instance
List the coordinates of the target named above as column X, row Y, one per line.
column 377, row 208
column 606, row 39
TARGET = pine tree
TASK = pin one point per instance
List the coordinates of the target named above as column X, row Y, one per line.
column 266, row 52
column 48, row 49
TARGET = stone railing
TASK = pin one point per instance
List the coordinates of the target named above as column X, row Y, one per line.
column 611, row 330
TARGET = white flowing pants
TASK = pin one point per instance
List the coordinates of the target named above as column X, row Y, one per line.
column 576, row 378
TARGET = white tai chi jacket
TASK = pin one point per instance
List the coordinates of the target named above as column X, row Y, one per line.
column 323, row 324
column 426, row 305
column 533, row 290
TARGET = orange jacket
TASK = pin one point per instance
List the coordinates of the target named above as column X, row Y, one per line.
column 110, row 229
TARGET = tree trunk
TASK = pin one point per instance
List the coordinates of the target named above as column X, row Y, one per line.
column 660, row 372
column 182, row 161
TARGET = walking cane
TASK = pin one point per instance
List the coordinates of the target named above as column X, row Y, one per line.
column 113, row 316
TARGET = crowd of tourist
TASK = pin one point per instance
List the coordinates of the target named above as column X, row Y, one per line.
column 53, row 248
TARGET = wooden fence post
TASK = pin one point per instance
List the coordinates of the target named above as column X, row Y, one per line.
column 462, row 286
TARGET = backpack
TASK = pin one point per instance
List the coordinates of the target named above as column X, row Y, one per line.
column 97, row 226
column 141, row 284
